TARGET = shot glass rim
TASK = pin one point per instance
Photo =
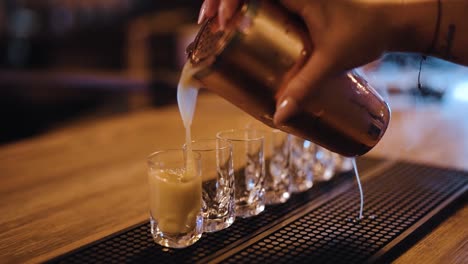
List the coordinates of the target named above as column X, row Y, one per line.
column 197, row 156
column 270, row 132
column 228, row 146
column 262, row 137
column 263, row 128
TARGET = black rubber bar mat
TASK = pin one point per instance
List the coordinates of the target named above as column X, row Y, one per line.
column 403, row 202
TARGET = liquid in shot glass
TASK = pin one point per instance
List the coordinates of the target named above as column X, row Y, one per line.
column 175, row 198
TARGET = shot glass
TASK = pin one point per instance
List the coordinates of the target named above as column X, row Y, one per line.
column 175, row 198
column 324, row 164
column 302, row 157
column 249, row 170
column 277, row 176
column 217, row 171
column 342, row 163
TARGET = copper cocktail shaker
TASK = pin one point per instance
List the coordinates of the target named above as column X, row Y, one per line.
column 258, row 52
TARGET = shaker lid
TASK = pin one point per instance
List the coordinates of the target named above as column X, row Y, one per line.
column 210, row 41
column 207, row 43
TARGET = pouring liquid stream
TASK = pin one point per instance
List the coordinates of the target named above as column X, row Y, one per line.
column 187, row 92
column 177, row 193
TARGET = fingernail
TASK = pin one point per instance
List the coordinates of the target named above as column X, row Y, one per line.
column 285, row 110
column 201, row 16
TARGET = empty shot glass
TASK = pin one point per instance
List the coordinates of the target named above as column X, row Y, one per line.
column 249, row 170
column 324, row 164
column 217, row 183
column 342, row 163
column 277, row 176
column 175, row 198
column 302, row 157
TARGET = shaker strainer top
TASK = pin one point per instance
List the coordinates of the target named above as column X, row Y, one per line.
column 208, row 42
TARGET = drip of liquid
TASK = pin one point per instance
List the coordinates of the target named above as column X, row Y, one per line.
column 356, row 220
column 360, row 217
column 361, row 193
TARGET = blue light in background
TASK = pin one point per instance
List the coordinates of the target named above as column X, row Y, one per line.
column 460, row 91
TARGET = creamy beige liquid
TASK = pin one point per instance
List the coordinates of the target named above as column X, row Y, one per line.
column 187, row 92
column 176, row 200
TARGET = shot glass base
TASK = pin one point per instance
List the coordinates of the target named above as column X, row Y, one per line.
column 214, row 225
column 276, row 198
column 176, row 240
column 324, row 178
column 297, row 188
column 245, row 211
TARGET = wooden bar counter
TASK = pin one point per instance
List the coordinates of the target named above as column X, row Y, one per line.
column 79, row 183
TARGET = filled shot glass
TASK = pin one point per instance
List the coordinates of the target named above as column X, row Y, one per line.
column 249, row 170
column 217, row 175
column 175, row 198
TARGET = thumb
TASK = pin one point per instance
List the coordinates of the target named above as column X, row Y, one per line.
column 301, row 86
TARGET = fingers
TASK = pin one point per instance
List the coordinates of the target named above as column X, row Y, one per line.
column 208, row 9
column 211, row 7
column 313, row 13
column 295, row 6
column 301, row 86
column 201, row 15
column 226, row 11
column 304, row 83
column 224, row 8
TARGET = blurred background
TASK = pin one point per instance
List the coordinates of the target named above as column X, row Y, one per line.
column 68, row 60
column 62, row 60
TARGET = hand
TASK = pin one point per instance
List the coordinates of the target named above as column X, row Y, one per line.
column 223, row 8
column 345, row 34
column 349, row 33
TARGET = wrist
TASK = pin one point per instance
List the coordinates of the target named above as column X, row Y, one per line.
column 413, row 25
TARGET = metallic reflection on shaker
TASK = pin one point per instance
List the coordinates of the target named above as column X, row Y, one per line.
column 261, row 48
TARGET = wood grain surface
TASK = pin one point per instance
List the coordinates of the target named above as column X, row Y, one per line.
column 76, row 184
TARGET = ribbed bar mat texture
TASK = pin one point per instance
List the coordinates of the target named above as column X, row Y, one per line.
column 306, row 229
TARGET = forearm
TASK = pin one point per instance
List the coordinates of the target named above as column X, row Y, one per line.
column 417, row 29
column 452, row 42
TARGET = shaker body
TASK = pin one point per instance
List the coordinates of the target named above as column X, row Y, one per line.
column 253, row 59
